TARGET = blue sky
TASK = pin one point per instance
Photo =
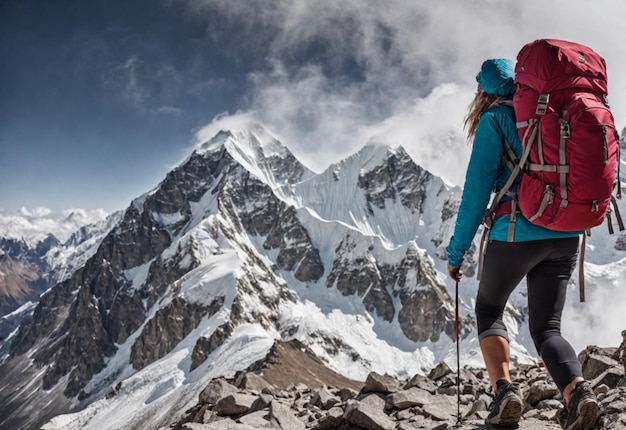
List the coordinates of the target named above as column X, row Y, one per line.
column 100, row 99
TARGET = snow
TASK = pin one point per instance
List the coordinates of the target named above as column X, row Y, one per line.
column 152, row 394
column 356, row 331
column 168, row 219
column 215, row 278
column 138, row 275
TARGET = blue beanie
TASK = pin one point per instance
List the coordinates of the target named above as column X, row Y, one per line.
column 496, row 76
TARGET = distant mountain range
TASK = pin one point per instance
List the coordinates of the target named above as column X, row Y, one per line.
column 241, row 245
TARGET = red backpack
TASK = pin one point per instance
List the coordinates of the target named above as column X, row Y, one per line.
column 570, row 164
column 571, row 156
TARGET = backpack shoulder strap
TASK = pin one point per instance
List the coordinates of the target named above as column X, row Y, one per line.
column 516, row 168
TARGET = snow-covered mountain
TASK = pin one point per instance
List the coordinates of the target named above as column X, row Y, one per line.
column 238, row 246
column 29, row 267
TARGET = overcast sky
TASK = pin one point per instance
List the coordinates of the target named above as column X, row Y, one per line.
column 99, row 99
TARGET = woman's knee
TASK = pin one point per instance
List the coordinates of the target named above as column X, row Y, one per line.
column 540, row 335
column 489, row 320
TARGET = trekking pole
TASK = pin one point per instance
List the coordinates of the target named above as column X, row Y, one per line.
column 458, row 359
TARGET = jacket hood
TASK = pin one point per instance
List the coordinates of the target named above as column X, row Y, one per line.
column 496, row 76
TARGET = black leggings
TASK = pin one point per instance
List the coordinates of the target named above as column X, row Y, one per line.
column 547, row 265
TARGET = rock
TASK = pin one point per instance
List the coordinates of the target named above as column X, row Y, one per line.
column 332, row 420
column 215, row 390
column 324, row 399
column 595, row 362
column 297, row 251
column 601, row 389
column 441, row 370
column 541, row 390
column 442, row 408
column 407, row 398
column 376, row 383
column 235, row 404
column 384, row 402
column 257, row 420
column 283, row 416
column 421, row 381
column 262, row 402
column 479, row 405
column 252, row 382
column 226, row 424
column 620, row 354
column 610, row 377
column 165, row 330
column 374, row 400
column 363, row 415
column 346, row 393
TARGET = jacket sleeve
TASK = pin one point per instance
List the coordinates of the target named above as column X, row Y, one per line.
column 479, row 181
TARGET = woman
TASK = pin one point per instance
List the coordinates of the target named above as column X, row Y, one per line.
column 546, row 258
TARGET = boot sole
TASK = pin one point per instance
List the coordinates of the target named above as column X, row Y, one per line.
column 509, row 415
column 587, row 415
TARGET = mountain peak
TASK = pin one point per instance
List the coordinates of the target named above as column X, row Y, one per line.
column 372, row 155
column 253, row 141
column 254, row 148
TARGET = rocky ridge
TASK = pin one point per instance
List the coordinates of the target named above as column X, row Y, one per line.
column 292, row 390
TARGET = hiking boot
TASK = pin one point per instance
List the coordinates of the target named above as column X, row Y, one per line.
column 583, row 410
column 507, row 406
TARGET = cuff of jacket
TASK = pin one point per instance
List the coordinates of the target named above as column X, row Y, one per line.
column 455, row 256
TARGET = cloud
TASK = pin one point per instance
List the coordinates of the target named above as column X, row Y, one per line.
column 224, row 122
column 125, row 79
column 338, row 73
column 39, row 212
column 35, row 224
column 600, row 319
column 170, row 110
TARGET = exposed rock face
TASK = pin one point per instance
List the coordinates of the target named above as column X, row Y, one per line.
column 166, row 329
column 17, row 283
column 28, row 270
column 425, row 312
column 205, row 346
column 83, row 348
column 286, row 397
column 359, row 274
column 398, row 177
column 22, row 274
column 296, row 249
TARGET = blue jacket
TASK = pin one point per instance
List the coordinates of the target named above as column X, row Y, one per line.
column 487, row 172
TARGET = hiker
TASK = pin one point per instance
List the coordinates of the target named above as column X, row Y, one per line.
column 547, row 259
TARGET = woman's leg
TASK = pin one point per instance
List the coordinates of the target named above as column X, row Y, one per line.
column 497, row 356
column 547, row 288
column 504, row 266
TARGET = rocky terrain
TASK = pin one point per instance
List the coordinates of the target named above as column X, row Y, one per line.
column 291, row 389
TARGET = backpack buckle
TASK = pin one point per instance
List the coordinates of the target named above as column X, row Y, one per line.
column 542, row 104
column 565, row 130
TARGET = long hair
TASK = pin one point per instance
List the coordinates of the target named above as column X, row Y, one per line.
column 482, row 101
